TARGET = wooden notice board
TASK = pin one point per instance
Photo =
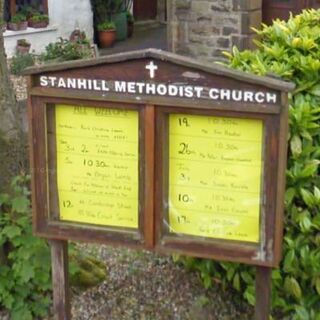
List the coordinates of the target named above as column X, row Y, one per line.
column 157, row 151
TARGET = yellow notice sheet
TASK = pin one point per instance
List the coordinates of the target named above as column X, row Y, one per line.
column 97, row 165
column 215, row 177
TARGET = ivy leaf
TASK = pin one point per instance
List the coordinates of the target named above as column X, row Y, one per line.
column 249, row 294
column 4, row 198
column 318, row 285
column 315, row 90
column 236, row 282
column 302, row 313
column 290, row 193
column 20, row 204
column 22, row 313
column 27, row 272
column 307, row 197
column 11, row 231
column 292, row 287
column 296, row 145
column 288, row 260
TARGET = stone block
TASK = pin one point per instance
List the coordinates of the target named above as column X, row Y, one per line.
column 203, row 28
column 200, row 8
column 223, row 42
column 222, row 5
column 183, row 4
column 226, row 31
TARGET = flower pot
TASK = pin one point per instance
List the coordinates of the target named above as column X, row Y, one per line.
column 36, row 25
column 18, row 26
column 130, row 28
column 106, row 38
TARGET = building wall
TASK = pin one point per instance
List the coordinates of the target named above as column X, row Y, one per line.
column 64, row 17
column 205, row 28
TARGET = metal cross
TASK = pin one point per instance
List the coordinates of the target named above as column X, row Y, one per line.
column 152, row 68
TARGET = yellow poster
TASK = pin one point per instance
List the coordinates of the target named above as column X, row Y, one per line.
column 215, row 177
column 97, row 165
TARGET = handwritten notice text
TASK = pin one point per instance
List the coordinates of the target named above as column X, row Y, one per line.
column 97, row 165
column 215, row 173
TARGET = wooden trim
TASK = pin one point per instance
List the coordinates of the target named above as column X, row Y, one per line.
column 45, row 7
column 283, row 147
column 60, row 279
column 13, row 8
column 149, row 170
column 263, row 293
column 49, row 225
column 211, row 68
column 263, row 253
column 160, row 101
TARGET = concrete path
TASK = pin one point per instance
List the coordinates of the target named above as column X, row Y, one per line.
column 144, row 37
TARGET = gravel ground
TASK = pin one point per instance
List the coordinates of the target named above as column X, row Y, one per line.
column 144, row 286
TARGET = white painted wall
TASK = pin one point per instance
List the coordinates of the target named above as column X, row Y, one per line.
column 64, row 17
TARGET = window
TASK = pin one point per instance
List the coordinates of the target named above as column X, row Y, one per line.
column 14, row 6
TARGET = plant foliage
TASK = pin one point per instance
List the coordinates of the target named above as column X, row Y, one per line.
column 290, row 50
column 24, row 260
column 20, row 62
column 65, row 50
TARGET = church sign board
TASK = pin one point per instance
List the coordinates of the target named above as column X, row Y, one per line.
column 152, row 150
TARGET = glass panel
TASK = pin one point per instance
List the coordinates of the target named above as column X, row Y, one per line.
column 215, row 177
column 97, row 165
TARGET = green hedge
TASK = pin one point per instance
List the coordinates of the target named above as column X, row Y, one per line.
column 290, row 50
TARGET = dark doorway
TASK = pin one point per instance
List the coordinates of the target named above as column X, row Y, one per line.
column 273, row 9
column 145, row 9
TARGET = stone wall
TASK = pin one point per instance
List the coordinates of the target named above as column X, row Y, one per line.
column 205, row 28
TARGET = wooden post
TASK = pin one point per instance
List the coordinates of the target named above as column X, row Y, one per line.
column 60, row 281
column 263, row 293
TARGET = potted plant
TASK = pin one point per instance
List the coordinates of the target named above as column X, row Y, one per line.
column 130, row 24
column 23, row 46
column 18, row 22
column 38, row 20
column 106, row 34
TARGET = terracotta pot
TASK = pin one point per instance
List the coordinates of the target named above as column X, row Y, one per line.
column 36, row 25
column 106, row 38
column 18, row 26
column 130, row 29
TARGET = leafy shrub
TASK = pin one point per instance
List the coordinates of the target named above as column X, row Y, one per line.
column 24, row 260
column 290, row 50
column 65, row 50
column 20, row 62
column 25, row 265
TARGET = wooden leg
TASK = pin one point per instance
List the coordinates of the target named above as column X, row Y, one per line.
column 60, row 281
column 263, row 293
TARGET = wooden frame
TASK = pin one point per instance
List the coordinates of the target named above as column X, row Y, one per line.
column 265, row 253
column 45, row 186
column 153, row 110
